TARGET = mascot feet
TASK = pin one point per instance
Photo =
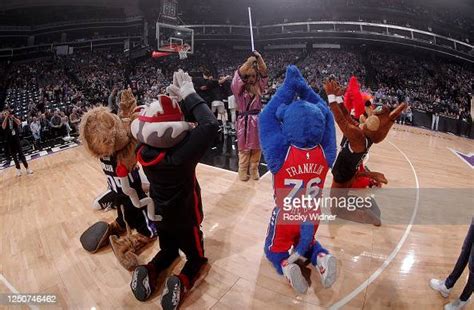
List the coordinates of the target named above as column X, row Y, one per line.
column 243, row 175
column 364, row 216
column 254, row 172
column 144, row 282
column 126, row 249
column 327, row 269
column 292, row 273
column 97, row 236
column 244, row 162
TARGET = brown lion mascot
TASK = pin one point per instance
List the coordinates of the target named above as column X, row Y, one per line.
column 107, row 136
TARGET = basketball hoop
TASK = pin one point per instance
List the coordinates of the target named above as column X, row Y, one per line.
column 183, row 51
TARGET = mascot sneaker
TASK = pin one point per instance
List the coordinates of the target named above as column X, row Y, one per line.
column 438, row 285
column 327, row 268
column 18, row 172
column 456, row 305
column 171, row 296
column 293, row 273
column 143, row 282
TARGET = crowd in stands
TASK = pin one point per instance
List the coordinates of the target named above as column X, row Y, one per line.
column 51, row 96
column 428, row 85
column 323, row 63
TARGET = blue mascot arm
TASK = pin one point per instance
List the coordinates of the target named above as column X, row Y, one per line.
column 274, row 143
column 307, row 231
column 328, row 141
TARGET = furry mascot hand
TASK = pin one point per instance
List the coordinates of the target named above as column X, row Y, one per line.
column 182, row 85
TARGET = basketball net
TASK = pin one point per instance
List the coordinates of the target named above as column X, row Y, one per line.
column 183, row 51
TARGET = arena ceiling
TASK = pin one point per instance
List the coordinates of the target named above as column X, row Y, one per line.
column 130, row 7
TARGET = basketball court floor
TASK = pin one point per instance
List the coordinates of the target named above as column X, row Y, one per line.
column 387, row 267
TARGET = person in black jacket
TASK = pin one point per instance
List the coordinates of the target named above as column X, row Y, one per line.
column 206, row 87
column 171, row 149
column 11, row 126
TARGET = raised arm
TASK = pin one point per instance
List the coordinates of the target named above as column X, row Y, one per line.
column 305, row 92
column 261, row 65
column 195, row 108
column 16, row 120
column 274, row 143
column 4, row 123
column 353, row 133
column 237, row 84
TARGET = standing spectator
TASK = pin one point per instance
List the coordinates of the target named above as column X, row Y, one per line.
column 65, row 123
column 75, row 119
column 3, row 136
column 35, row 128
column 45, row 133
column 407, row 115
column 466, row 123
column 435, row 116
column 248, row 85
column 56, row 124
column 466, row 257
column 11, row 126
column 205, row 86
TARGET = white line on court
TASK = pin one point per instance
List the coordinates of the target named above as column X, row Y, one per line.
column 265, row 174
column 14, row 290
column 395, row 251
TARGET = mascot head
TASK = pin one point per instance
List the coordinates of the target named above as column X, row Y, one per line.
column 374, row 123
column 102, row 132
column 303, row 123
column 107, row 134
column 249, row 72
column 379, row 122
column 353, row 99
column 358, row 104
column 297, row 116
column 160, row 124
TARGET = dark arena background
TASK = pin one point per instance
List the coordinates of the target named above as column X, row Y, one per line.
column 61, row 60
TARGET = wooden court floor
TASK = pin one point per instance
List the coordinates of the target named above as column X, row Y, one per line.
column 387, row 267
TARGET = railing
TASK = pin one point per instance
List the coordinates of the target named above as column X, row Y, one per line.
column 332, row 26
column 89, row 21
column 73, row 23
column 89, row 43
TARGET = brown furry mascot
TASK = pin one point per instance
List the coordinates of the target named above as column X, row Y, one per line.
column 358, row 140
column 107, row 137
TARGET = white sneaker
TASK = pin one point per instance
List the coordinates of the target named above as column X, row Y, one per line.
column 327, row 268
column 456, row 305
column 18, row 172
column 293, row 273
column 438, row 285
column 29, row 171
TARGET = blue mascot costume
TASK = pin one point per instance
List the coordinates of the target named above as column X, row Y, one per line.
column 298, row 139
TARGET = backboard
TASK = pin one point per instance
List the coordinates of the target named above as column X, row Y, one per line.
column 172, row 38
